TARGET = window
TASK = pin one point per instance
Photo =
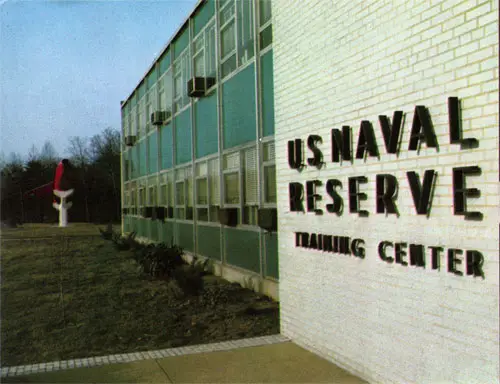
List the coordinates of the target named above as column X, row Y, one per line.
column 142, row 197
column 167, row 192
column 182, row 72
column 245, row 31
column 269, row 168
column 184, row 194
column 152, row 194
column 204, row 52
column 265, row 27
column 264, row 12
column 232, row 178
column 214, row 189
column 236, row 34
column 133, row 199
column 141, row 118
column 165, row 92
column 202, row 191
column 251, row 198
column 133, row 121
column 227, row 37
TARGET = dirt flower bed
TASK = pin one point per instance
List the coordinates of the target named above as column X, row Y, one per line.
column 71, row 297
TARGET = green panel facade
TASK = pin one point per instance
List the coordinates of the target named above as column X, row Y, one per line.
column 238, row 108
column 242, row 249
column 203, row 16
column 166, row 232
column 152, row 229
column 208, row 241
column 167, row 146
column 183, row 137
column 185, row 236
column 142, row 90
column 151, row 78
column 181, row 42
column 271, row 247
column 205, row 112
column 267, row 94
column 153, row 152
column 164, row 62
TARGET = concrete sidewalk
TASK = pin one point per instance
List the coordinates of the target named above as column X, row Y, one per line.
column 280, row 362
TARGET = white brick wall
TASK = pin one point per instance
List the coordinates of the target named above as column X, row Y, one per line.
column 337, row 62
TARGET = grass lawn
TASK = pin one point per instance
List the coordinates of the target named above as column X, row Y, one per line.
column 66, row 293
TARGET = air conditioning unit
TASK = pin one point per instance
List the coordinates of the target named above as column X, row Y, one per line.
column 228, row 216
column 268, row 219
column 129, row 141
column 158, row 117
column 197, row 86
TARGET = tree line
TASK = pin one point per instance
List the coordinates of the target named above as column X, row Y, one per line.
column 94, row 175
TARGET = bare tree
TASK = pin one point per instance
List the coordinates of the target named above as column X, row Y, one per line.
column 33, row 153
column 48, row 154
column 80, row 156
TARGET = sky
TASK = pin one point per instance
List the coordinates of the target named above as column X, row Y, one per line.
column 66, row 65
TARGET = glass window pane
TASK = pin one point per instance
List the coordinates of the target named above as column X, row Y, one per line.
column 180, row 193
column 199, row 65
column 229, row 66
column 226, row 12
column 168, row 91
column 164, row 194
column 202, row 191
column 245, row 20
column 210, row 52
column 264, row 11
column 198, row 44
column 227, row 40
column 270, row 183
column 232, row 188
column 268, row 152
column 266, row 37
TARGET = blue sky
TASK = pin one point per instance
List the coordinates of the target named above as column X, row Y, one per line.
column 65, row 65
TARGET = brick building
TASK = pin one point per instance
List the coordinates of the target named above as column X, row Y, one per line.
column 387, row 267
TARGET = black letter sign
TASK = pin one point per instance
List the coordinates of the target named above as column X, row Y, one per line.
column 391, row 136
column 296, row 196
column 295, row 154
column 366, row 141
column 355, row 196
column 455, row 126
column 422, row 129
column 341, row 144
column 317, row 160
column 387, row 188
column 312, row 196
column 461, row 193
column 338, row 202
column 421, row 195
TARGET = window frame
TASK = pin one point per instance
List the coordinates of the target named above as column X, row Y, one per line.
column 265, row 164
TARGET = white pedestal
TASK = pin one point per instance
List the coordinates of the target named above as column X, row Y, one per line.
column 63, row 206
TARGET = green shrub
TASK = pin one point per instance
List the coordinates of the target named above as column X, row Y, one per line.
column 108, row 233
